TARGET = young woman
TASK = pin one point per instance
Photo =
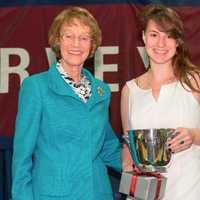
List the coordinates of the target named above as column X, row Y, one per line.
column 167, row 95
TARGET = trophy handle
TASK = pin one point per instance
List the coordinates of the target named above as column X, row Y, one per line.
column 132, row 147
column 129, row 140
column 173, row 134
column 126, row 139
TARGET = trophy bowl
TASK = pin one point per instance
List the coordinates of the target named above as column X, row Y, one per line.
column 148, row 148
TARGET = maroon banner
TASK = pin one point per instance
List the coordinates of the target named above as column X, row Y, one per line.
column 24, row 50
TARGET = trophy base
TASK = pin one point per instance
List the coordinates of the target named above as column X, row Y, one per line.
column 131, row 198
column 151, row 168
column 141, row 187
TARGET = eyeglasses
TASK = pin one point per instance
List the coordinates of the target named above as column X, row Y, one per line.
column 69, row 37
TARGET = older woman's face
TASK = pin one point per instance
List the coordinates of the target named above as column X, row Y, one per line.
column 75, row 43
column 160, row 47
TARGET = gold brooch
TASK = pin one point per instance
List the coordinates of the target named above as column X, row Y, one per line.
column 100, row 91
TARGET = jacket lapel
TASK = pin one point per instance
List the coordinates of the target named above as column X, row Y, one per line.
column 57, row 83
column 100, row 91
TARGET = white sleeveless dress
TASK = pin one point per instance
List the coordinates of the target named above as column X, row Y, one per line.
column 174, row 108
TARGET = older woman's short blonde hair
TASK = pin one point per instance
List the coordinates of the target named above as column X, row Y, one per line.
column 68, row 16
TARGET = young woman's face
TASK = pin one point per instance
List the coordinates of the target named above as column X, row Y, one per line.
column 75, row 43
column 160, row 47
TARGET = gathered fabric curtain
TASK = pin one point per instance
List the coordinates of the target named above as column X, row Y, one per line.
column 5, row 168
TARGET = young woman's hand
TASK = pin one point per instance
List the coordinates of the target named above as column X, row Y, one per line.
column 183, row 140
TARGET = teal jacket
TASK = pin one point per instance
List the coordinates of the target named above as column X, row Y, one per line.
column 62, row 145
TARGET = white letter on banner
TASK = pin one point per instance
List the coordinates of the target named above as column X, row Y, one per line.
column 144, row 56
column 100, row 67
column 6, row 69
column 51, row 57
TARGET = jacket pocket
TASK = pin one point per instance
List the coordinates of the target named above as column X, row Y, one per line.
column 53, row 182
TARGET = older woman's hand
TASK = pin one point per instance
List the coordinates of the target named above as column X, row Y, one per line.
column 183, row 140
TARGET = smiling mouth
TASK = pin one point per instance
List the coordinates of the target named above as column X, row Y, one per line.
column 157, row 51
column 75, row 52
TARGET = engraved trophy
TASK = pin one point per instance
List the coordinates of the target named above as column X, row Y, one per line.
column 148, row 148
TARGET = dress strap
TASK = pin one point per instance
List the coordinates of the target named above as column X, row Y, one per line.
column 131, row 84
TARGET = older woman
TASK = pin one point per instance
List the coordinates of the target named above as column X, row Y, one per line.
column 63, row 139
column 167, row 96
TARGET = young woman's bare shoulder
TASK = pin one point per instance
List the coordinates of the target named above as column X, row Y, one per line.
column 125, row 90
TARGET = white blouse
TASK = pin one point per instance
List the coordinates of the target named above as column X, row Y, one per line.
column 175, row 107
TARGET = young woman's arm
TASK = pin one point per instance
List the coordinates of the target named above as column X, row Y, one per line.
column 126, row 157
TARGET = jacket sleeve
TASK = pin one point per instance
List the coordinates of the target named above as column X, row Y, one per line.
column 26, row 132
column 111, row 152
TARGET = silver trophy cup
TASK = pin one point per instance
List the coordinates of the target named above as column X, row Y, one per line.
column 148, row 148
